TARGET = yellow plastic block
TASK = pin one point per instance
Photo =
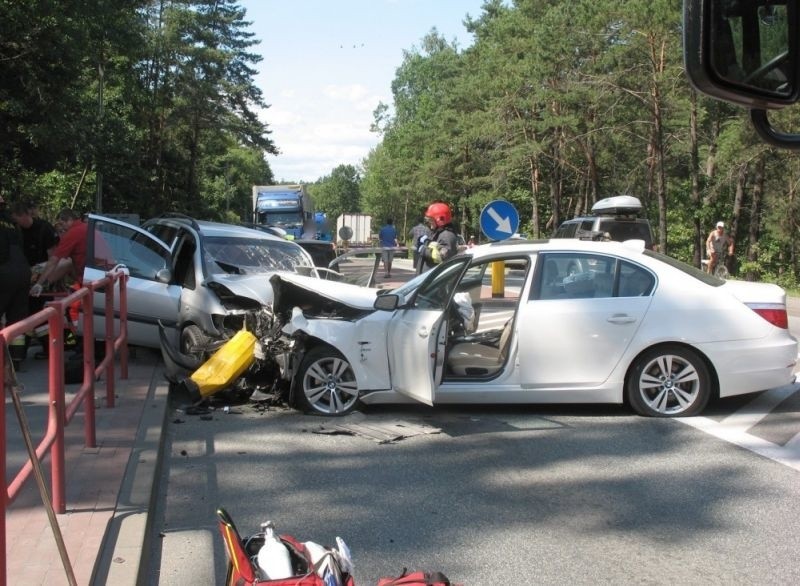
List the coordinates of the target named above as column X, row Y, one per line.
column 226, row 365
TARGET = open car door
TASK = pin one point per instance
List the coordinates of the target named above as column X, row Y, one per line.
column 151, row 296
column 418, row 334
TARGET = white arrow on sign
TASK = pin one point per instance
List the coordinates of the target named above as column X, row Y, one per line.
column 503, row 224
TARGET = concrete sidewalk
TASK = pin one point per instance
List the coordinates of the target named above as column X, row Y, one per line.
column 108, row 488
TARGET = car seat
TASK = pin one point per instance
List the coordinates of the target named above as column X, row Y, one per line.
column 479, row 359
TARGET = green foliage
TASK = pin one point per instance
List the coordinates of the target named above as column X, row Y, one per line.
column 338, row 193
column 154, row 99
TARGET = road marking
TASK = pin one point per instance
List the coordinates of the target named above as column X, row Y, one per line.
column 733, row 429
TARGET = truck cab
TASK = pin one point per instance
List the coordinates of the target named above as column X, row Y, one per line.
column 288, row 207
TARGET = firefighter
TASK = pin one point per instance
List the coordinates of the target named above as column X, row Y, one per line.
column 15, row 274
column 443, row 242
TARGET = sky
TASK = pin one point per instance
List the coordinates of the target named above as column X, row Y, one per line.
column 328, row 64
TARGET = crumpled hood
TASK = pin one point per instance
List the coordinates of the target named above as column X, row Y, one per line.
column 255, row 286
column 353, row 296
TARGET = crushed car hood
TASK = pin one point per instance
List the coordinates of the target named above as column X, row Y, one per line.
column 320, row 298
column 255, row 286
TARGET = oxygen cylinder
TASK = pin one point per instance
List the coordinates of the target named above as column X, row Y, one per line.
column 273, row 557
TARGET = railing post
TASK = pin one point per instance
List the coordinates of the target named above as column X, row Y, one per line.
column 109, row 357
column 4, row 495
column 123, row 325
column 57, row 409
column 89, row 431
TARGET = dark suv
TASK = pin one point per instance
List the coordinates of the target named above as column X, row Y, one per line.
column 616, row 218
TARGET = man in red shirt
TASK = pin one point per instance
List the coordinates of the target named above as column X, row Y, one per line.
column 68, row 258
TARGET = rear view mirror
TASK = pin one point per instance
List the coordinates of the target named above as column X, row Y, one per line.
column 745, row 52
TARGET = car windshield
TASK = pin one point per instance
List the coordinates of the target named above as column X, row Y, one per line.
column 252, row 255
column 283, row 219
column 686, row 268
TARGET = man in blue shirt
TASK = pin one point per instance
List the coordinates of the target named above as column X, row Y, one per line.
column 388, row 239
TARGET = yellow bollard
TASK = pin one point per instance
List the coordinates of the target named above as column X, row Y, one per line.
column 498, row 279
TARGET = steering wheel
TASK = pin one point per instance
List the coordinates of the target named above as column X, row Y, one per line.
column 767, row 67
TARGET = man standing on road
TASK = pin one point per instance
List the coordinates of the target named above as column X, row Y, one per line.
column 388, row 239
column 716, row 243
column 417, row 232
column 443, row 242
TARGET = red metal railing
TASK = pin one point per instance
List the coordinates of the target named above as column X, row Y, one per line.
column 60, row 414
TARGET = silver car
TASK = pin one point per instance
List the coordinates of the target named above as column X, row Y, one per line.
column 202, row 281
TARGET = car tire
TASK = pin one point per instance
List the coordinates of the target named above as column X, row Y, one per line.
column 668, row 381
column 195, row 343
column 325, row 383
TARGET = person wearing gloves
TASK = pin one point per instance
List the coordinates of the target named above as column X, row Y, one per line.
column 68, row 258
column 443, row 242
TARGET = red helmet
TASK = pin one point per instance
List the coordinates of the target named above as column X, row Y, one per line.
column 439, row 213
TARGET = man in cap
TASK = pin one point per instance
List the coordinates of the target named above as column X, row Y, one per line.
column 716, row 243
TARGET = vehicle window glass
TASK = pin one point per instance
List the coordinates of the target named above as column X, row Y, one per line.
column 116, row 244
column 567, row 230
column 252, row 255
column 163, row 232
column 634, row 281
column 184, row 262
column 435, row 292
column 621, row 230
column 574, row 276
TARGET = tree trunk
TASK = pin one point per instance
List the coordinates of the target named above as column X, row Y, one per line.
column 533, row 168
column 738, row 200
column 753, row 273
column 694, row 174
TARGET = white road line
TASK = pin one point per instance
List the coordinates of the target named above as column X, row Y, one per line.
column 733, row 429
column 749, row 415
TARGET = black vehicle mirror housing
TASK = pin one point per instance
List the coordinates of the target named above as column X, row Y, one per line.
column 387, row 302
column 743, row 52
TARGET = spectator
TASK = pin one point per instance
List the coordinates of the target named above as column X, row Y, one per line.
column 388, row 239
column 418, row 232
column 717, row 243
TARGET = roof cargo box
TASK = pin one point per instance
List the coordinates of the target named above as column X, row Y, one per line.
column 617, row 206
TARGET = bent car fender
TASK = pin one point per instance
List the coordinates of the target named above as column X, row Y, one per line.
column 362, row 343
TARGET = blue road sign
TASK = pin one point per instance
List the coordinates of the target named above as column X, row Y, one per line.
column 499, row 220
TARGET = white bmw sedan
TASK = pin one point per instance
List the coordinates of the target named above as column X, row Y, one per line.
column 559, row 321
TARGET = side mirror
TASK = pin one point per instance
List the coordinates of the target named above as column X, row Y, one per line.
column 164, row 276
column 746, row 53
column 388, row 302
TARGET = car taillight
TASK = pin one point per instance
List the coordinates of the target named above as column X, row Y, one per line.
column 774, row 313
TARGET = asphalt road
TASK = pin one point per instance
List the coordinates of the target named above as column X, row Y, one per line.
column 547, row 494
column 532, row 494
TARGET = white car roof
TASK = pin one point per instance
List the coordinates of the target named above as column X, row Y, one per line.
column 628, row 249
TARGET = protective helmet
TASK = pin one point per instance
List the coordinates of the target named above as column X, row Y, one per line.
column 439, row 213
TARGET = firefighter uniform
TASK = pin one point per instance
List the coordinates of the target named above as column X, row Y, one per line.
column 15, row 275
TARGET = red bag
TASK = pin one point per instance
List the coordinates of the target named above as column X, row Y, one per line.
column 417, row 579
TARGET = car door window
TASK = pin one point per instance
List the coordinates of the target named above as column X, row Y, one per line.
column 635, row 281
column 116, row 244
column 435, row 293
column 578, row 276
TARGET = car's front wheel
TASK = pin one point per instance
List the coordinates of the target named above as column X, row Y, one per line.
column 195, row 343
column 669, row 381
column 325, row 383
